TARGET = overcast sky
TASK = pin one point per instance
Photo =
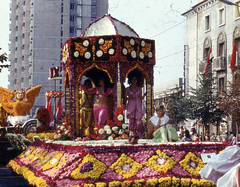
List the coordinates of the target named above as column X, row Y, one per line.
column 159, row 20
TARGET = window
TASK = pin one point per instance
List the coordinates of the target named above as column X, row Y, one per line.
column 61, row 19
column 22, row 79
column 23, row 47
column 221, row 84
column 221, row 16
column 15, row 81
column 94, row 2
column 16, row 39
column 16, row 28
column 24, row 2
column 15, row 48
column 61, row 33
column 237, row 9
column 71, row 30
column 15, row 60
column 71, row 17
column 23, row 35
column 221, row 49
column 206, row 50
column 93, row 12
column 23, row 14
column 22, row 57
column 16, row 17
column 15, row 71
column 207, row 23
column 79, row 10
column 71, row 6
column 79, row 2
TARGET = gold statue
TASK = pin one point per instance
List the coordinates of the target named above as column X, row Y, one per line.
column 18, row 108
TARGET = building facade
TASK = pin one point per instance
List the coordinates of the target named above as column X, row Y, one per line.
column 38, row 28
column 211, row 25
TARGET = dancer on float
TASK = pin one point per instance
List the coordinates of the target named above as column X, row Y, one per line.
column 87, row 121
column 160, row 129
column 133, row 96
column 100, row 107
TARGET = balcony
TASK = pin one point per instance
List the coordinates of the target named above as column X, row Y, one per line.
column 219, row 63
column 202, row 66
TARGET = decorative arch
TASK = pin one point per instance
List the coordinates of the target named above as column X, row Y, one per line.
column 137, row 67
column 207, row 44
column 236, row 32
column 221, row 44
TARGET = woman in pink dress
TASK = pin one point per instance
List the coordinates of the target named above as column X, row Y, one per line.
column 133, row 96
column 100, row 107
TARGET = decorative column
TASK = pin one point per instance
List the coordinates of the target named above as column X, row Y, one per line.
column 119, row 86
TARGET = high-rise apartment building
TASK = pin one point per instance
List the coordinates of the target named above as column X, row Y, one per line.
column 38, row 30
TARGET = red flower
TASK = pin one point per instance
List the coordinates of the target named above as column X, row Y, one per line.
column 119, row 123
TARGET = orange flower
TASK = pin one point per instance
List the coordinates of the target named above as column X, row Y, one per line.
column 113, row 135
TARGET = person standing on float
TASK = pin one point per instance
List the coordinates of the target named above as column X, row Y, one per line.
column 133, row 96
column 100, row 107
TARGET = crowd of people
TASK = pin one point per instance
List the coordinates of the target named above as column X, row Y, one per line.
column 185, row 135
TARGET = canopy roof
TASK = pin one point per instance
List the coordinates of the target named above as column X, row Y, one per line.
column 107, row 25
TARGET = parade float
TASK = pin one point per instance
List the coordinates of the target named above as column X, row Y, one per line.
column 110, row 46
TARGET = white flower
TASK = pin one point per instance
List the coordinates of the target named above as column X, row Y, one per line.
column 87, row 55
column 106, row 127
column 115, row 128
column 120, row 131
column 76, row 53
column 66, row 132
column 99, row 53
column 133, row 54
column 110, row 138
column 53, row 161
column 124, row 126
column 111, row 51
column 109, row 131
column 101, row 131
column 120, row 117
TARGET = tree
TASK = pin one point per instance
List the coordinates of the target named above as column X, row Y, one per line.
column 176, row 105
column 201, row 102
column 229, row 99
column 3, row 58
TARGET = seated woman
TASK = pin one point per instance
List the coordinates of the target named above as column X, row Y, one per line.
column 160, row 129
column 187, row 136
column 100, row 107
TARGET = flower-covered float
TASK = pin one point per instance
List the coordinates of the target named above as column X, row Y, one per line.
column 110, row 46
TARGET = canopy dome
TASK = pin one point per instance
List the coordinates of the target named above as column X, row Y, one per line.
column 107, row 25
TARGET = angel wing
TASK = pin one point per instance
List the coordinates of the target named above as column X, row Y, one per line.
column 6, row 94
column 33, row 92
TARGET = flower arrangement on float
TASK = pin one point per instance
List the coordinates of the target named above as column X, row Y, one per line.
column 115, row 129
column 116, row 165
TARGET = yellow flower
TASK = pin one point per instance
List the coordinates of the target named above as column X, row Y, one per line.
column 126, row 183
column 88, row 185
column 152, row 162
column 151, row 183
column 125, row 161
column 115, row 184
column 185, row 182
column 165, row 182
column 175, row 182
column 191, row 157
column 101, row 184
column 98, row 168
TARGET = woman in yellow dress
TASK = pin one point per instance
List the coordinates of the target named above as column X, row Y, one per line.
column 87, row 120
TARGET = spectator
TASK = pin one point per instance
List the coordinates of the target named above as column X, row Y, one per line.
column 201, row 137
column 207, row 137
column 187, row 136
column 219, row 138
column 213, row 137
column 195, row 137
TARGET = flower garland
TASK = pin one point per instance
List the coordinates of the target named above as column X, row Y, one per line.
column 54, row 94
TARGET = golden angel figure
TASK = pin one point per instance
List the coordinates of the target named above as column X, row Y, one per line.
column 19, row 108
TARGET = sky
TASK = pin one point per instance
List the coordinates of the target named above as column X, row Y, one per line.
column 159, row 20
